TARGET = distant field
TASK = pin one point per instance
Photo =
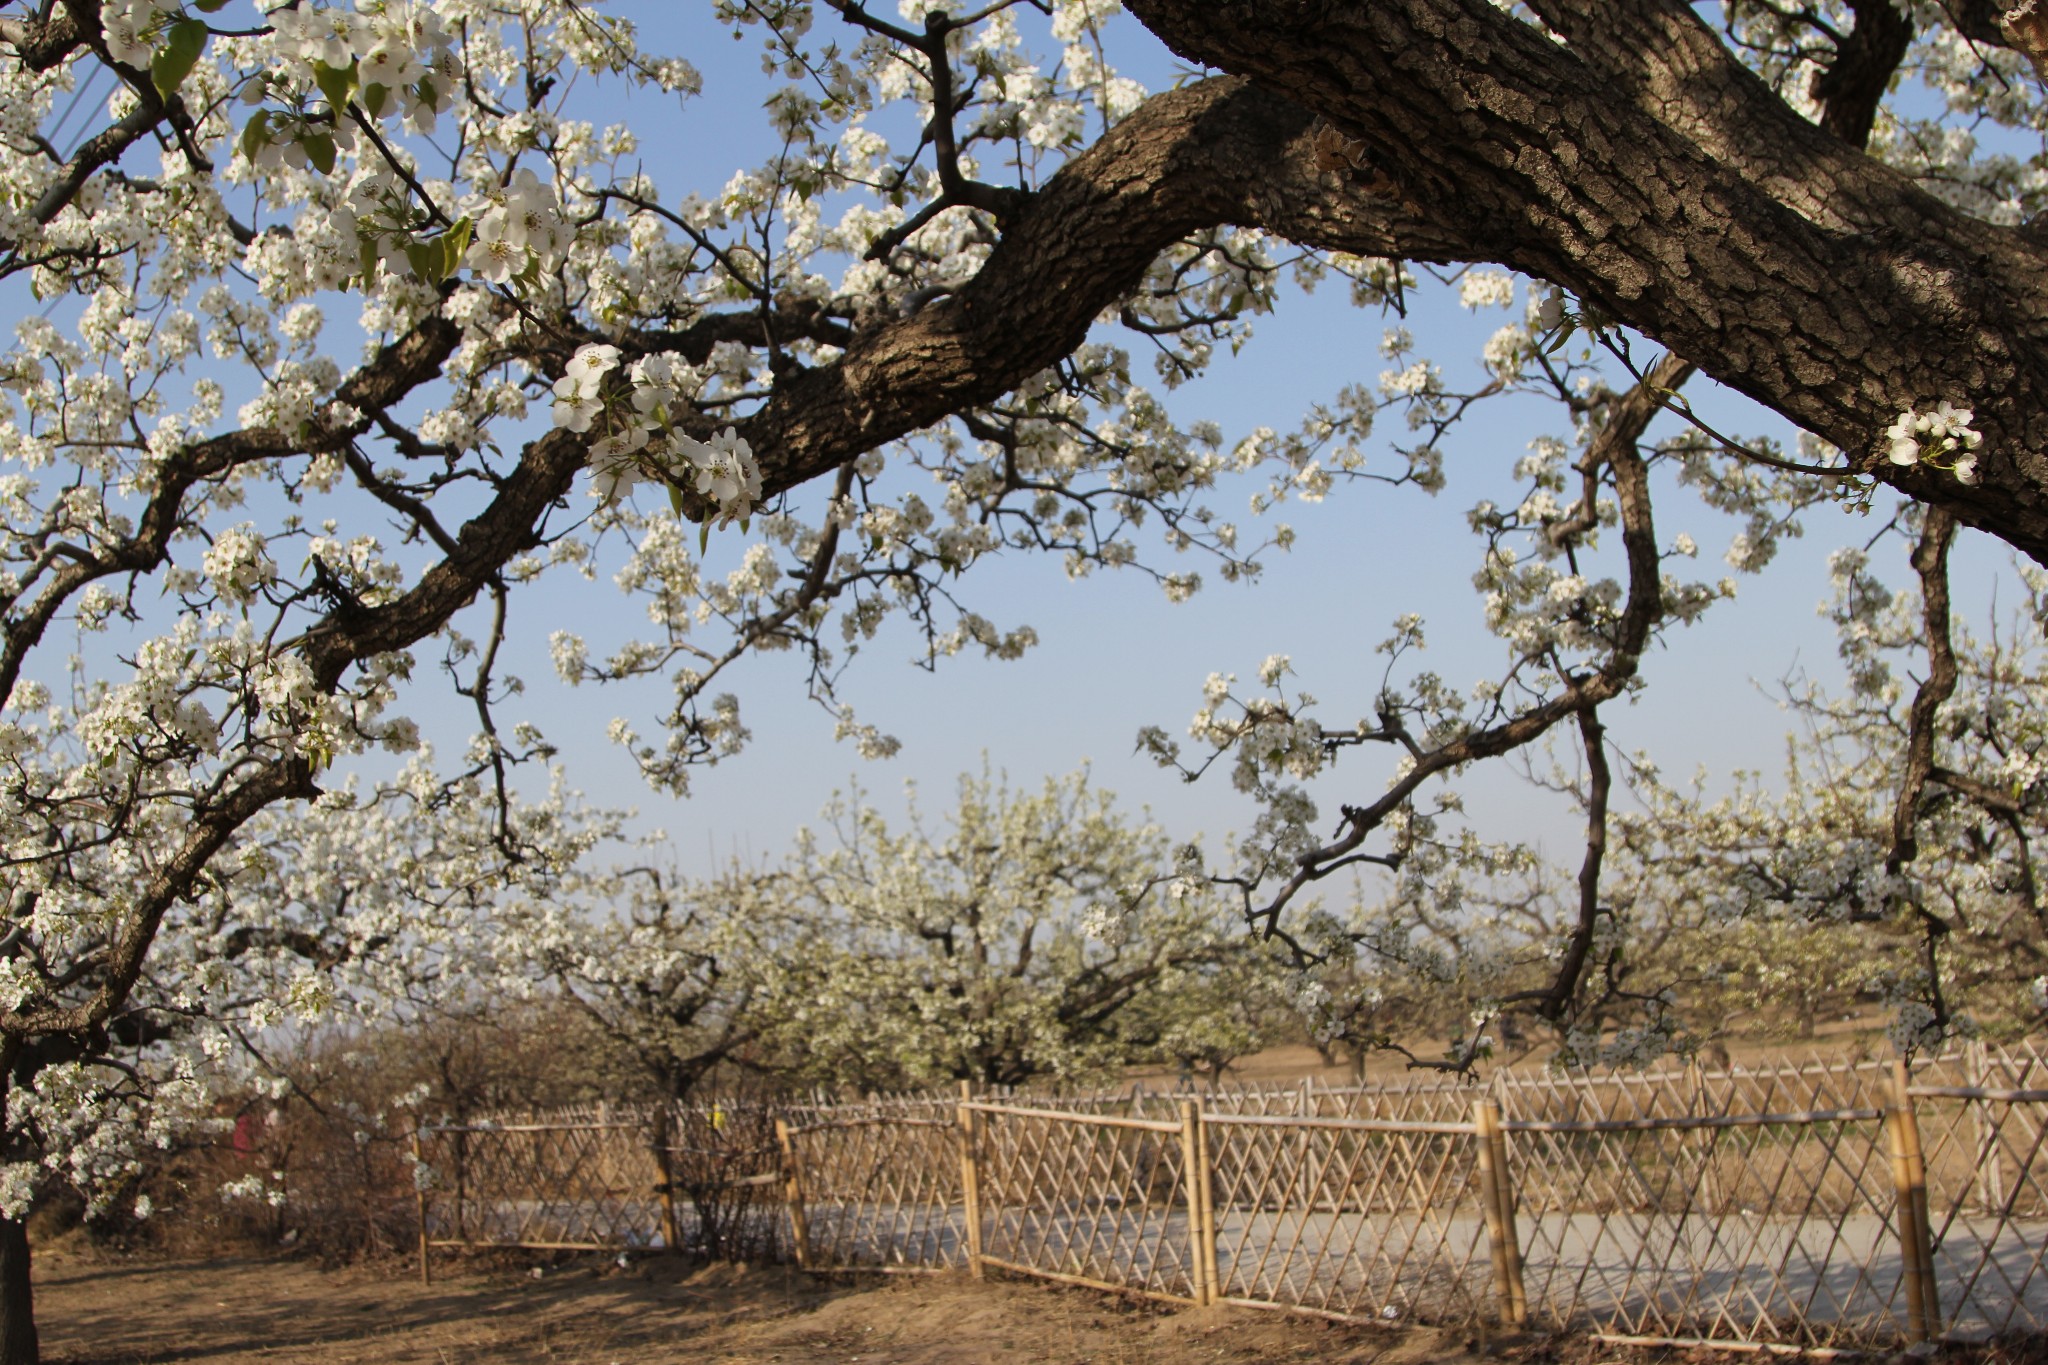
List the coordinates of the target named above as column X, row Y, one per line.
column 1296, row 1061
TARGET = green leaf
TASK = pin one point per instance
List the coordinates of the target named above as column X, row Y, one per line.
column 675, row 499
column 209, row 6
column 319, row 149
column 256, row 134
column 425, row 259
column 374, row 98
column 429, row 93
column 179, row 54
column 454, row 243
column 703, row 537
column 335, row 82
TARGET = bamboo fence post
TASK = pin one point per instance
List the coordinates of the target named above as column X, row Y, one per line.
column 1497, row 1202
column 1504, row 1185
column 1705, row 1145
column 970, row 1177
column 1206, row 1183
column 419, row 1190
column 793, row 1195
column 1990, row 1152
column 1190, row 1122
column 1909, row 1180
column 664, row 1160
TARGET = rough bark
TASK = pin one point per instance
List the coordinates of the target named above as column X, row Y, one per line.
column 19, row 1342
column 1641, row 166
column 1218, row 152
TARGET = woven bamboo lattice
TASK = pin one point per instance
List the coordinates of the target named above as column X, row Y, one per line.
column 1431, row 1101
column 570, row 1182
column 880, row 1191
column 1767, row 1206
column 1773, row 1227
column 1988, row 1177
column 1087, row 1198
column 725, row 1199
column 1373, row 1218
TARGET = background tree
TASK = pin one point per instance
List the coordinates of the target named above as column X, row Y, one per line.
column 1040, row 934
column 1910, row 810
column 677, row 980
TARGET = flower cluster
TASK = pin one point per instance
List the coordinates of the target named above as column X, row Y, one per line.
column 390, row 51
column 578, row 399
column 520, row 234
column 237, row 563
column 130, row 24
column 379, row 221
column 1942, row 438
column 644, row 442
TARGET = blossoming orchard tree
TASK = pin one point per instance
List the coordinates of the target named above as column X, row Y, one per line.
column 1039, row 934
column 340, row 327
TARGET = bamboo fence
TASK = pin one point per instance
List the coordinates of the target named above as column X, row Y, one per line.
column 1817, row 1205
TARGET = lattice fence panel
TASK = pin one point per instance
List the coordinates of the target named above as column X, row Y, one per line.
column 1742, row 1230
column 1748, row 1206
column 1811, row 1083
column 1348, row 1217
column 1434, row 1101
column 1987, row 1162
column 1094, row 1198
column 725, row 1172
column 921, row 1108
column 566, row 1184
column 882, row 1191
column 1976, row 1157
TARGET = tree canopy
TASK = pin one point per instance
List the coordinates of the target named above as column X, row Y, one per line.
column 341, row 327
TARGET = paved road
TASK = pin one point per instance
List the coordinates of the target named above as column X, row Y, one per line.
column 1630, row 1273
column 1646, row 1274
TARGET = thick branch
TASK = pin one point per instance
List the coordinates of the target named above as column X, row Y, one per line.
column 1851, row 89
column 1668, row 218
column 1564, row 983
column 1214, row 153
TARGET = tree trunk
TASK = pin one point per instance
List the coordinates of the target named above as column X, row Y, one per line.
column 18, row 1343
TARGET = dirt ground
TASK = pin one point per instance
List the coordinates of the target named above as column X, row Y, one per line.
column 97, row 1310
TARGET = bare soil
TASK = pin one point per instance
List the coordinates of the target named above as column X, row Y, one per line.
column 97, row 1310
